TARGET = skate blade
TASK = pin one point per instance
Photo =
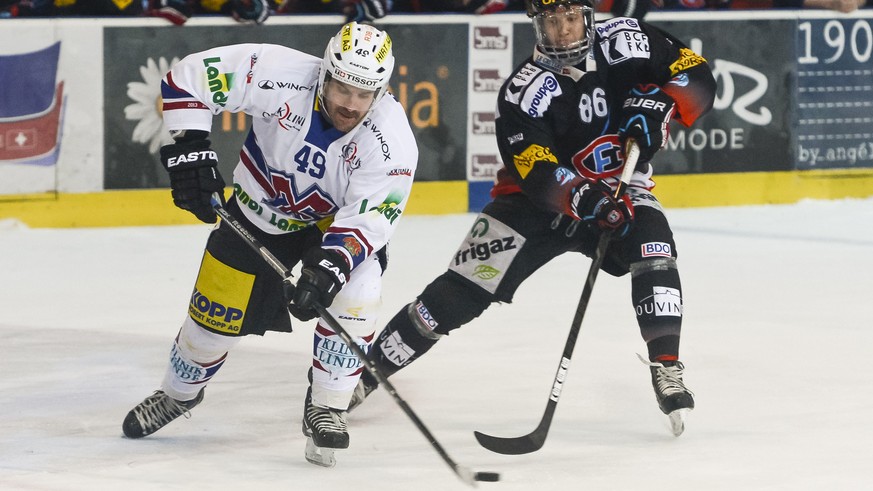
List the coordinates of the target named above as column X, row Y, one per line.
column 319, row 455
column 677, row 421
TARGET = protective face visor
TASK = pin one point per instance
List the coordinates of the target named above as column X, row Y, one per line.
column 337, row 94
column 565, row 33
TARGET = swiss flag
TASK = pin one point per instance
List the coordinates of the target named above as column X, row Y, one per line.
column 34, row 137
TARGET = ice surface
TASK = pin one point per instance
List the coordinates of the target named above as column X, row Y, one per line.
column 777, row 344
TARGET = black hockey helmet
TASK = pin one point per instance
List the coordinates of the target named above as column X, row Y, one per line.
column 535, row 7
column 548, row 15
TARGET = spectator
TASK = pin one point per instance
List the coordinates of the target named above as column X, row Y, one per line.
column 179, row 11
column 639, row 8
column 49, row 8
column 354, row 10
column 844, row 6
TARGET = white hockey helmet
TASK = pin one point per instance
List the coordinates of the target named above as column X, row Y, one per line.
column 358, row 55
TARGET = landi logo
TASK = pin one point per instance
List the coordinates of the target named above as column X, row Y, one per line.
column 483, row 124
column 489, row 38
column 487, row 80
column 485, row 166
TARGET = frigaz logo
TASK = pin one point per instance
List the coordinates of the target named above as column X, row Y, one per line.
column 482, row 251
column 487, row 80
column 601, row 158
column 489, row 38
column 485, row 166
column 480, row 228
column 483, row 123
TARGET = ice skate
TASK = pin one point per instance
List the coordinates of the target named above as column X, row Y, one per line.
column 155, row 412
column 326, row 430
column 366, row 385
column 674, row 399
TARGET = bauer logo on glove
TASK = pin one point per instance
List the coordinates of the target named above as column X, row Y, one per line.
column 645, row 118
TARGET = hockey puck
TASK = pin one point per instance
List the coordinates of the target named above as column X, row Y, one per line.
column 487, row 476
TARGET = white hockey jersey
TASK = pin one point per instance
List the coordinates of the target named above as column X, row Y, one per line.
column 295, row 170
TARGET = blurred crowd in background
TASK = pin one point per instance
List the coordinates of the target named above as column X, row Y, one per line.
column 257, row 11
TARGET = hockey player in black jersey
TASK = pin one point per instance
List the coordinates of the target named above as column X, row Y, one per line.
column 563, row 118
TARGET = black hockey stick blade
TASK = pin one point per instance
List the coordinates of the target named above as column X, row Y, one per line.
column 535, row 440
column 512, row 446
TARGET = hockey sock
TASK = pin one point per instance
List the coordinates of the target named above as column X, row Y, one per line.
column 335, row 367
column 657, row 296
column 195, row 357
column 185, row 377
column 406, row 337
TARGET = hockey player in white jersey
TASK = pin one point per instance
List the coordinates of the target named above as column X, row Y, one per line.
column 323, row 178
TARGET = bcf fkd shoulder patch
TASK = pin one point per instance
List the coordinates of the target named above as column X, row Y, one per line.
column 487, row 252
column 220, row 296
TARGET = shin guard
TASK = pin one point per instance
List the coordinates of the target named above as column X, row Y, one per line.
column 195, row 357
column 335, row 367
column 409, row 335
column 657, row 297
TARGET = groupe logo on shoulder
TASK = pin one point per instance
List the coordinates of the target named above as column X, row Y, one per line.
column 616, row 24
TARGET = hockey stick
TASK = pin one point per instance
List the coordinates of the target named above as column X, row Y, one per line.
column 534, row 441
column 464, row 473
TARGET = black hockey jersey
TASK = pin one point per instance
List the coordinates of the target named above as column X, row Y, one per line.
column 557, row 125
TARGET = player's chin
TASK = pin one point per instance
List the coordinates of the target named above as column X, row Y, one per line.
column 345, row 123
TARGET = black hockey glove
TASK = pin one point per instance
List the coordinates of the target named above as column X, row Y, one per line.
column 250, row 11
column 194, row 177
column 593, row 202
column 646, row 118
column 324, row 274
column 366, row 10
